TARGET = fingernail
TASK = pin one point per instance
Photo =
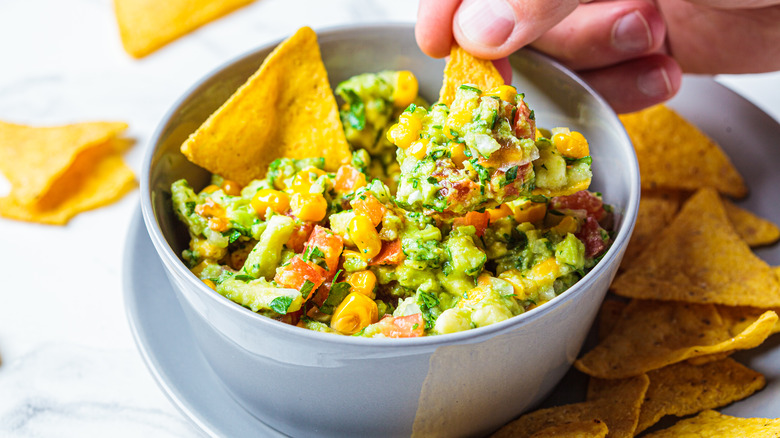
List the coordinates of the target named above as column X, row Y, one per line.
column 486, row 22
column 655, row 83
column 631, row 33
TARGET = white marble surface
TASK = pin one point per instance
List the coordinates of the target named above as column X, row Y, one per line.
column 69, row 366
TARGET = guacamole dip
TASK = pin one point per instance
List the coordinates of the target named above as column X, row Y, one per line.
column 443, row 221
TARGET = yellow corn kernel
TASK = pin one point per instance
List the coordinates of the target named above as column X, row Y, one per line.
column 309, row 206
column 268, row 198
column 303, row 180
column 231, row 187
column 499, row 212
column 210, row 284
column 457, row 119
column 538, row 134
column 406, row 88
column 418, row 149
column 355, row 312
column 530, row 212
column 458, row 154
column 545, row 271
column 402, row 135
column 504, row 92
column 571, row 144
column 567, row 225
column 365, row 237
column 211, row 188
column 363, row 282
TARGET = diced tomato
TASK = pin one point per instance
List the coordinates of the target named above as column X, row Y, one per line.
column 582, row 200
column 591, row 235
column 299, row 236
column 295, row 274
column 370, row 207
column 390, row 254
column 331, row 245
column 479, row 220
column 525, row 126
column 349, row 179
column 410, row 326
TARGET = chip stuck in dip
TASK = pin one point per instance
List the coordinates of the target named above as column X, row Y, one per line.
column 437, row 219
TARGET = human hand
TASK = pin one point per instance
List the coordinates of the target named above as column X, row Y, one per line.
column 632, row 51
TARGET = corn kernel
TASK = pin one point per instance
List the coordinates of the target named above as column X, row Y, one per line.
column 365, row 237
column 210, row 283
column 268, row 198
column 504, row 92
column 545, row 271
column 418, row 149
column 354, row 313
column 530, row 212
column 303, row 180
column 309, row 206
column 567, row 225
column 211, row 188
column 499, row 212
column 210, row 209
column 538, row 134
column 231, row 187
column 571, row 144
column 458, row 154
column 363, row 282
column 406, row 88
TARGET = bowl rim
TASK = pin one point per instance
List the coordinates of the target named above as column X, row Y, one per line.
column 170, row 259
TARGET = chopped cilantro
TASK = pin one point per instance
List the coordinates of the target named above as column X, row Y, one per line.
column 306, row 289
column 281, row 304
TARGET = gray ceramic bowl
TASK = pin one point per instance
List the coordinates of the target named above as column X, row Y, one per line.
column 305, row 383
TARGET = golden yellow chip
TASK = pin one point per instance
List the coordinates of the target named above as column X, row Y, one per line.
column 464, row 68
column 674, row 154
column 683, row 389
column 652, row 334
column 98, row 176
column 286, row 109
column 575, row 429
column 609, row 315
column 713, row 424
column 147, row 25
column 656, row 211
column 754, row 230
column 619, row 411
column 699, row 258
column 32, row 158
column 739, row 317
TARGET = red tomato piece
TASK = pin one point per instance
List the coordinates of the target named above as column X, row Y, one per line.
column 410, row 326
column 297, row 272
column 591, row 235
column 330, row 244
column 582, row 200
column 299, row 236
column 479, row 220
column 349, row 179
column 370, row 207
column 390, row 254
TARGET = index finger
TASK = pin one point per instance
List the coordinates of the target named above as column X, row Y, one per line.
column 433, row 30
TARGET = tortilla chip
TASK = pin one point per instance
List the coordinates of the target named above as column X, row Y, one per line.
column 699, row 258
column 286, row 109
column 32, row 158
column 684, row 389
column 737, row 318
column 575, row 429
column 656, row 211
column 674, row 154
column 652, row 334
column 464, row 68
column 147, row 25
column 97, row 177
column 713, row 424
column 707, row 358
column 609, row 315
column 754, row 230
column 619, row 411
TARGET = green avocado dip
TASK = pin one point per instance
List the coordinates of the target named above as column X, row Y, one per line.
column 446, row 219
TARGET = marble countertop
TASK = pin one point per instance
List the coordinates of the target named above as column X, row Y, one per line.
column 68, row 360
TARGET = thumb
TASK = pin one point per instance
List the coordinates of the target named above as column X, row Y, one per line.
column 493, row 29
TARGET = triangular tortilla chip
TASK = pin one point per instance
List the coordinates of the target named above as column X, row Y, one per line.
column 575, row 429
column 619, row 411
column 32, row 158
column 737, row 318
column 684, row 389
column 286, row 109
column 653, row 334
column 147, row 25
column 674, row 154
column 699, row 258
column 656, row 211
column 713, row 424
column 98, row 176
column 754, row 230
column 464, row 68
